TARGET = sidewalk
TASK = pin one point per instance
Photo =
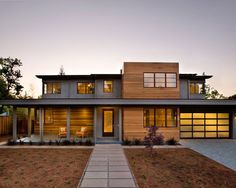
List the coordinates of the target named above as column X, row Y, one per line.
column 107, row 167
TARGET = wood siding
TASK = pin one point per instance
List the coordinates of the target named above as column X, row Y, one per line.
column 133, row 125
column 79, row 117
column 132, row 86
column 5, row 125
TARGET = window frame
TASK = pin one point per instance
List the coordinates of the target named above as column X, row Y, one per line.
column 45, row 90
column 154, row 79
column 194, row 86
column 93, row 91
column 155, row 119
column 112, row 82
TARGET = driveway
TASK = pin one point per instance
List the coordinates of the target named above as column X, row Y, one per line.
column 221, row 150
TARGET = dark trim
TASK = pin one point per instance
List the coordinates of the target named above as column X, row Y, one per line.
column 103, row 133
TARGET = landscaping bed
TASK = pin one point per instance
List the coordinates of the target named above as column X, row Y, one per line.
column 42, row 167
column 178, row 168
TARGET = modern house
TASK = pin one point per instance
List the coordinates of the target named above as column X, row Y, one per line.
column 119, row 106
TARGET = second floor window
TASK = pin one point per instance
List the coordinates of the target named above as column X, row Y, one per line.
column 52, row 88
column 196, row 88
column 165, row 80
column 85, row 88
column 107, row 86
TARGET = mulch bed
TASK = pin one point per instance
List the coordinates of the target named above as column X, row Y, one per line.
column 178, row 168
column 42, row 167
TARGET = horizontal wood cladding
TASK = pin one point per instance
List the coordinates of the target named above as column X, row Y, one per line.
column 133, row 125
column 133, row 86
column 79, row 117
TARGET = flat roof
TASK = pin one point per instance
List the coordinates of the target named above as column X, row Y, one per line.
column 74, row 77
column 194, row 76
column 119, row 102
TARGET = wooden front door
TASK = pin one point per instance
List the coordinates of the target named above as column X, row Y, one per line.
column 108, row 121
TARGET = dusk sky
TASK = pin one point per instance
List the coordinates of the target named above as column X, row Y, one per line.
column 98, row 36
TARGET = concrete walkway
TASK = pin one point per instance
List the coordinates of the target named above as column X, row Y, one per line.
column 107, row 167
column 221, row 150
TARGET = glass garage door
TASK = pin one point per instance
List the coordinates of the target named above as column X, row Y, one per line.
column 204, row 125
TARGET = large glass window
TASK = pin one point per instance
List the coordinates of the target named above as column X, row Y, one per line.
column 160, row 80
column 148, row 79
column 52, row 88
column 85, row 88
column 196, row 88
column 161, row 117
column 107, row 86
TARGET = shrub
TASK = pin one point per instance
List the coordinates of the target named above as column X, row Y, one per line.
column 30, row 142
column 88, row 143
column 10, row 142
column 21, row 142
column 126, row 142
column 66, row 142
column 41, row 143
column 137, row 141
column 50, row 142
column 172, row 141
column 57, row 142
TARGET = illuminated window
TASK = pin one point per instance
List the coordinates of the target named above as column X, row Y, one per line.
column 52, row 88
column 107, row 86
column 48, row 117
column 196, row 88
column 85, row 88
column 160, row 80
column 161, row 117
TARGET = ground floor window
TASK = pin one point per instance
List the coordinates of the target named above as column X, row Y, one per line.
column 161, row 117
column 204, row 125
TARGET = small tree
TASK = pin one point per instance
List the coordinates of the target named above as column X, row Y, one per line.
column 10, row 73
column 212, row 93
column 153, row 138
column 233, row 97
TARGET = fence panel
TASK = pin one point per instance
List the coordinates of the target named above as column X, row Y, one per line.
column 5, row 125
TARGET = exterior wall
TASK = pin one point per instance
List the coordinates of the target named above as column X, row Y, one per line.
column 133, row 125
column 133, row 81
column 99, row 125
column 116, row 92
column 184, row 89
column 69, row 89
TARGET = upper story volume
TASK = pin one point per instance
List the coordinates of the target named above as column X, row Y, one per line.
column 138, row 80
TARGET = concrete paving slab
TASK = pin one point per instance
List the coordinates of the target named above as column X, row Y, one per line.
column 116, row 163
column 93, row 175
column 119, row 169
column 120, row 175
column 94, row 168
column 121, row 183
column 94, row 183
column 98, row 163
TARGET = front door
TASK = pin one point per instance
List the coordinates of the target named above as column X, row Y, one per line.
column 108, row 121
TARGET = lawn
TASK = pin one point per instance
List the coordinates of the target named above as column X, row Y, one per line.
column 178, row 168
column 42, row 167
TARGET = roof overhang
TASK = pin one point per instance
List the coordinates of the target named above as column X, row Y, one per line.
column 118, row 102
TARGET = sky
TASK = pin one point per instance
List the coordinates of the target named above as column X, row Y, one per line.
column 97, row 36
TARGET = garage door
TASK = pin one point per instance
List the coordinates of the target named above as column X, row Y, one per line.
column 204, row 125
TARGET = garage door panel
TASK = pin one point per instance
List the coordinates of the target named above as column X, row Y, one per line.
column 204, row 125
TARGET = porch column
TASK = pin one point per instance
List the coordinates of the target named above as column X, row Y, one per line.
column 29, row 122
column 68, row 123
column 14, row 131
column 95, row 124
column 120, row 124
column 41, row 123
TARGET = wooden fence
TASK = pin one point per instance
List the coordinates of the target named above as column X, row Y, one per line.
column 5, row 125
